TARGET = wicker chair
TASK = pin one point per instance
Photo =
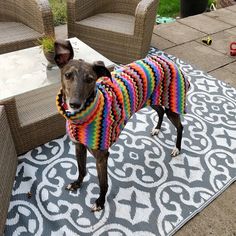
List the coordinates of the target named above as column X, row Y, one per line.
column 8, row 163
column 33, row 118
column 121, row 30
column 22, row 22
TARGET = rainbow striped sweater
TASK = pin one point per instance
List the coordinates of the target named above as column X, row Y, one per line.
column 151, row 81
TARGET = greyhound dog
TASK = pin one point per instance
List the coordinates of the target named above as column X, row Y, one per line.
column 97, row 104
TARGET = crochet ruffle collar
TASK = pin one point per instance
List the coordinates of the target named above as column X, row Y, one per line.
column 84, row 115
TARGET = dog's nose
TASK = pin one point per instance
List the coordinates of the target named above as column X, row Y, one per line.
column 75, row 105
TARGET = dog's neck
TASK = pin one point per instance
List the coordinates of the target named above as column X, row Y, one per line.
column 86, row 113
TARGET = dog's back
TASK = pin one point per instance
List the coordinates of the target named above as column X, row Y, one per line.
column 152, row 81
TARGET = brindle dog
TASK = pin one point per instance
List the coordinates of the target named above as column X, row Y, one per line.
column 78, row 79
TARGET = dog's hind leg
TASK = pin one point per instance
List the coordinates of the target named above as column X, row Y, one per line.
column 160, row 111
column 101, row 165
column 176, row 121
column 81, row 156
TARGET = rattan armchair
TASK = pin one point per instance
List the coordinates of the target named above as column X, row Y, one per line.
column 33, row 118
column 8, row 163
column 121, row 30
column 22, row 22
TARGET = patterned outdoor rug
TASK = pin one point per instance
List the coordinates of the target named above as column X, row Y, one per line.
column 149, row 193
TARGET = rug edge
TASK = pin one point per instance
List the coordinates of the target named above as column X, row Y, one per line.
column 207, row 203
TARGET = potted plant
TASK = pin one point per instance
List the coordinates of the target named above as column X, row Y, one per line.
column 192, row 7
column 47, row 45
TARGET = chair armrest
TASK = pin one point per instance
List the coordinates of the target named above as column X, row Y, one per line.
column 47, row 17
column 8, row 163
column 7, row 11
column 78, row 10
column 145, row 15
column 120, row 6
column 36, row 14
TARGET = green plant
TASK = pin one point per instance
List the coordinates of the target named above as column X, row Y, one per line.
column 47, row 43
column 59, row 11
column 210, row 2
column 169, row 8
column 172, row 8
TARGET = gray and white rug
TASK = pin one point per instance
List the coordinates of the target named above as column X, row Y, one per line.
column 149, row 193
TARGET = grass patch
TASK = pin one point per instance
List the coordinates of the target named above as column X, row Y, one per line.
column 59, row 11
column 211, row 1
column 169, row 8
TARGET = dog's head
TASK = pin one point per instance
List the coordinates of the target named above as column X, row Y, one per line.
column 78, row 77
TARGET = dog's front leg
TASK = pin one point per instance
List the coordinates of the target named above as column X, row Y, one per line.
column 101, row 165
column 81, row 156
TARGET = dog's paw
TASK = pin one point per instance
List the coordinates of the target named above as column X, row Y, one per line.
column 175, row 152
column 73, row 186
column 98, row 206
column 155, row 131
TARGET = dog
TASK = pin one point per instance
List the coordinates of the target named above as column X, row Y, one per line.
column 97, row 104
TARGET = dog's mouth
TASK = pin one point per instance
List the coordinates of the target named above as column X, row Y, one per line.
column 74, row 108
column 77, row 107
column 81, row 114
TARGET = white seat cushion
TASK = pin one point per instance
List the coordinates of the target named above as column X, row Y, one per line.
column 115, row 22
column 13, row 32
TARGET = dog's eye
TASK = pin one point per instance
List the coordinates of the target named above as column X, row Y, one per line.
column 88, row 79
column 67, row 75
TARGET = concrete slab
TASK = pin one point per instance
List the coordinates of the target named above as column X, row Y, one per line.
column 232, row 68
column 161, row 43
column 231, row 8
column 200, row 56
column 224, row 15
column 221, row 40
column 226, row 74
column 218, row 219
column 177, row 33
column 205, row 24
column 61, row 32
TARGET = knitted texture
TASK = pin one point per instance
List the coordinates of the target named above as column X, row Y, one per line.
column 150, row 81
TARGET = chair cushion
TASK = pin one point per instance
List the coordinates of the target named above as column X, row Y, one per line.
column 115, row 22
column 16, row 36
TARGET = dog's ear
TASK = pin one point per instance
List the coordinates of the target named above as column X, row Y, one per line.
column 63, row 52
column 100, row 69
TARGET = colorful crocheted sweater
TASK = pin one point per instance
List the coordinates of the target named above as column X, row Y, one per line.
column 150, row 81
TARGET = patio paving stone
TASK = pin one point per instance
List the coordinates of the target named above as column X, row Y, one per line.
column 61, row 32
column 200, row 56
column 160, row 42
column 224, row 15
column 221, row 40
column 205, row 24
column 177, row 33
column 226, row 73
column 216, row 219
column 231, row 8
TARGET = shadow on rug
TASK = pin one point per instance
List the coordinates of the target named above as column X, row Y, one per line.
column 149, row 193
